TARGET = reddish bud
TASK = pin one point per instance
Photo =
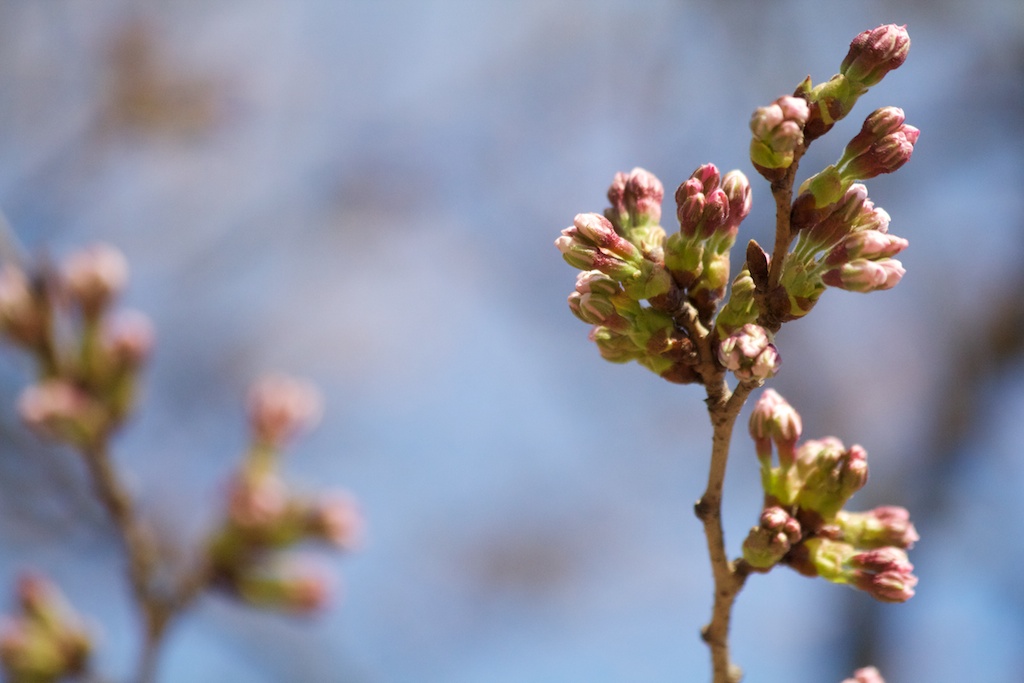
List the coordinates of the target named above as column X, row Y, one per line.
column 866, row 675
column 875, row 53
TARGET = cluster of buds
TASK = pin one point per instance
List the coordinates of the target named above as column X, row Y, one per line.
column 264, row 518
column 804, row 524
column 635, row 278
column 88, row 355
column 47, row 641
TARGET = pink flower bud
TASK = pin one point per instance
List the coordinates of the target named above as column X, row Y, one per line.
column 737, row 189
column 875, row 53
column 884, row 144
column 295, row 587
column 636, row 199
column 280, row 407
column 128, row 339
column 257, row 503
column 866, row 244
column 773, row 418
column 592, row 244
column 884, row 573
column 862, row 275
column 58, row 410
column 866, row 675
column 336, row 519
column 702, row 206
column 777, row 133
column 614, row 346
column 95, row 276
column 829, row 474
column 749, row 353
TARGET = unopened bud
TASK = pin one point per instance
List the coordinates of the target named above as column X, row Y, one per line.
column 701, row 205
column 296, row 587
column 884, row 573
column 749, row 353
column 887, row 525
column 866, row 675
column 636, row 199
column 768, row 543
column 128, row 339
column 22, row 312
column 593, row 244
column 777, row 133
column 58, row 410
column 875, row 53
column 883, row 145
column 862, row 275
column 774, row 419
column 737, row 189
column 336, row 519
column 280, row 407
column 615, row 347
column 818, row 197
column 830, row 474
column 95, row 276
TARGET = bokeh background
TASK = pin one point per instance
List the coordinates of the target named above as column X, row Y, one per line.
column 366, row 194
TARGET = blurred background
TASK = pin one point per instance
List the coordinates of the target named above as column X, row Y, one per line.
column 366, row 194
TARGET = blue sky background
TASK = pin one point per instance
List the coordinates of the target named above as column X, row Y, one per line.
column 366, row 194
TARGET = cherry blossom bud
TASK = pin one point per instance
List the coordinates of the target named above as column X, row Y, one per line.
column 875, row 53
column 883, row 145
column 23, row 314
column 336, row 519
column 887, row 525
column 95, row 276
column 819, row 196
column 830, row 474
column 862, row 275
column 884, row 573
column 636, row 199
column 294, row 586
column 749, row 353
column 775, row 420
column 741, row 308
column 768, row 543
column 280, row 407
column 737, row 189
column 257, row 504
column 872, row 245
column 47, row 641
column 128, row 339
column 778, row 132
column 58, row 410
column 592, row 244
column 866, row 675
column 702, row 206
column 615, row 347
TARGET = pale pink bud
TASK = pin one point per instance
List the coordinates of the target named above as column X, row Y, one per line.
column 773, row 418
column 257, row 503
column 94, row 276
column 866, row 244
column 58, row 410
column 777, row 132
column 768, row 543
column 749, row 353
column 129, row 338
column 875, row 53
column 296, row 586
column 862, row 275
column 737, row 189
column 281, row 406
column 887, row 525
column 593, row 244
column 337, row 519
column 866, row 675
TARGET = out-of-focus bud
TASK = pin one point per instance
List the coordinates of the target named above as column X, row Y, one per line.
column 58, row 410
column 128, row 339
column 883, row 145
column 866, row 675
column 775, row 420
column 95, row 276
column 768, row 543
column 862, row 275
column 22, row 313
column 749, row 353
column 592, row 244
column 48, row 641
column 636, row 200
column 875, row 53
column 280, row 407
column 830, row 474
column 778, row 132
column 292, row 587
column 885, row 573
column 336, row 519
column 257, row 504
column 887, row 525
